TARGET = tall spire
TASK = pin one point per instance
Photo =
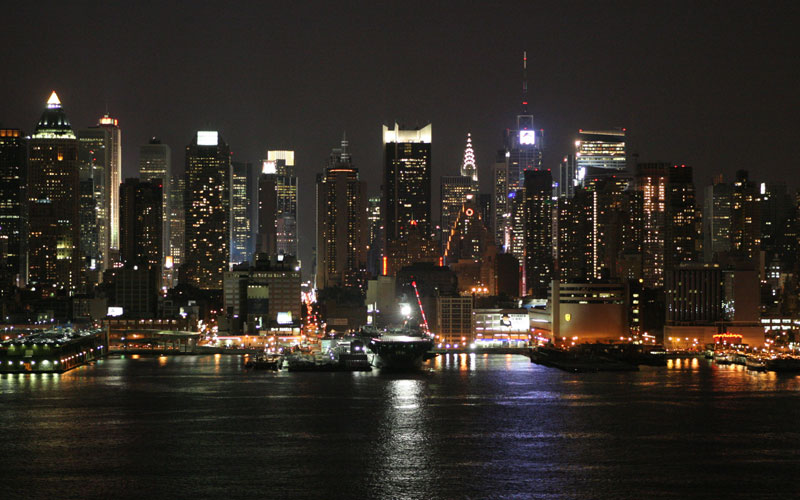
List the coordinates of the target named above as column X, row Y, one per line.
column 525, row 82
column 345, row 155
column 468, row 167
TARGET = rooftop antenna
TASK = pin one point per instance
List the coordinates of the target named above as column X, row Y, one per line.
column 525, row 82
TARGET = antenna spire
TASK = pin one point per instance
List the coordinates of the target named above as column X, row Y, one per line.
column 525, row 82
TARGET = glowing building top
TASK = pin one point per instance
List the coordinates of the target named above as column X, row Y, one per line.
column 54, row 123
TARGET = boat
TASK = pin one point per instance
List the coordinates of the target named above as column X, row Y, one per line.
column 399, row 352
column 783, row 364
column 721, row 358
column 272, row 362
column 755, row 363
column 579, row 360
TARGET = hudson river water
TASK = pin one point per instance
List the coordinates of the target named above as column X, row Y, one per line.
column 466, row 427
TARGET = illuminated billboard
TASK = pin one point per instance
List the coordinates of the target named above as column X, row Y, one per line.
column 115, row 311
column 527, row 137
column 207, row 138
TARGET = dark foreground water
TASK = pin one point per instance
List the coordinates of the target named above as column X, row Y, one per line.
column 469, row 427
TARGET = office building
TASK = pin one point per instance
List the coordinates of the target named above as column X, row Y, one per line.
column 113, row 178
column 538, row 250
column 342, row 229
column 407, row 194
column 599, row 153
column 682, row 234
column 468, row 167
column 283, row 163
column 141, row 222
column 177, row 221
column 454, row 192
column 94, row 156
column 12, row 222
column 53, row 201
column 207, row 210
column 651, row 181
column 716, row 219
column 240, row 209
column 745, row 216
column 155, row 163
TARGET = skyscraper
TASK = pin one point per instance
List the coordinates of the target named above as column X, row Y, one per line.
column 599, row 153
column 94, row 156
column 286, row 187
column 682, row 238
column 454, row 192
column 716, row 219
column 141, row 222
column 155, row 163
column 407, row 194
column 651, row 180
column 375, row 237
column 468, row 167
column 522, row 151
column 12, row 182
column 177, row 220
column 113, row 178
column 342, row 226
column 538, row 249
column 745, row 216
column 53, row 201
column 207, row 210
column 240, row 208
column 573, row 227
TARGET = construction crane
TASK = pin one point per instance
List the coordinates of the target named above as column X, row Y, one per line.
column 421, row 309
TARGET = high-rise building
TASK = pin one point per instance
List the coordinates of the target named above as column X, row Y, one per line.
column 53, row 201
column 141, row 222
column 574, row 243
column 566, row 179
column 468, row 167
column 651, row 180
column 12, row 183
column 682, row 237
column 282, row 161
column 267, row 236
column 207, row 210
column 240, row 208
column 745, row 216
column 406, row 193
column 177, row 220
column 155, row 162
column 522, row 151
column 538, row 233
column 94, row 156
column 599, row 153
column 716, row 219
column 113, row 177
column 454, row 192
column 500, row 204
column 341, row 226
column 375, row 235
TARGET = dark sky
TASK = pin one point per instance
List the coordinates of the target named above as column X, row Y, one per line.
column 710, row 84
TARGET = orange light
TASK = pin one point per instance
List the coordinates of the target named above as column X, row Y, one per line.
column 385, row 265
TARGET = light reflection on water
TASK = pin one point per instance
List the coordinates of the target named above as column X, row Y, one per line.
column 464, row 426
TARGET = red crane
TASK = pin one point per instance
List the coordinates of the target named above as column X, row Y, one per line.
column 421, row 309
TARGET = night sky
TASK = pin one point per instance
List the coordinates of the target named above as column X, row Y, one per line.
column 713, row 86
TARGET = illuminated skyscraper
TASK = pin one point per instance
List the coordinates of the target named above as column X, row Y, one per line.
column 407, row 195
column 94, row 156
column 342, row 226
column 267, row 236
column 53, row 201
column 113, row 178
column 522, row 151
column 155, row 163
column 282, row 161
column 454, row 192
column 573, row 227
column 375, row 237
column 682, row 236
column 651, row 180
column 207, row 208
column 12, row 181
column 468, row 167
column 240, row 208
column 177, row 220
column 745, row 216
column 599, row 153
column 538, row 249
column 141, row 222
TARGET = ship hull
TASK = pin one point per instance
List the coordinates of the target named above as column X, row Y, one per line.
column 406, row 353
